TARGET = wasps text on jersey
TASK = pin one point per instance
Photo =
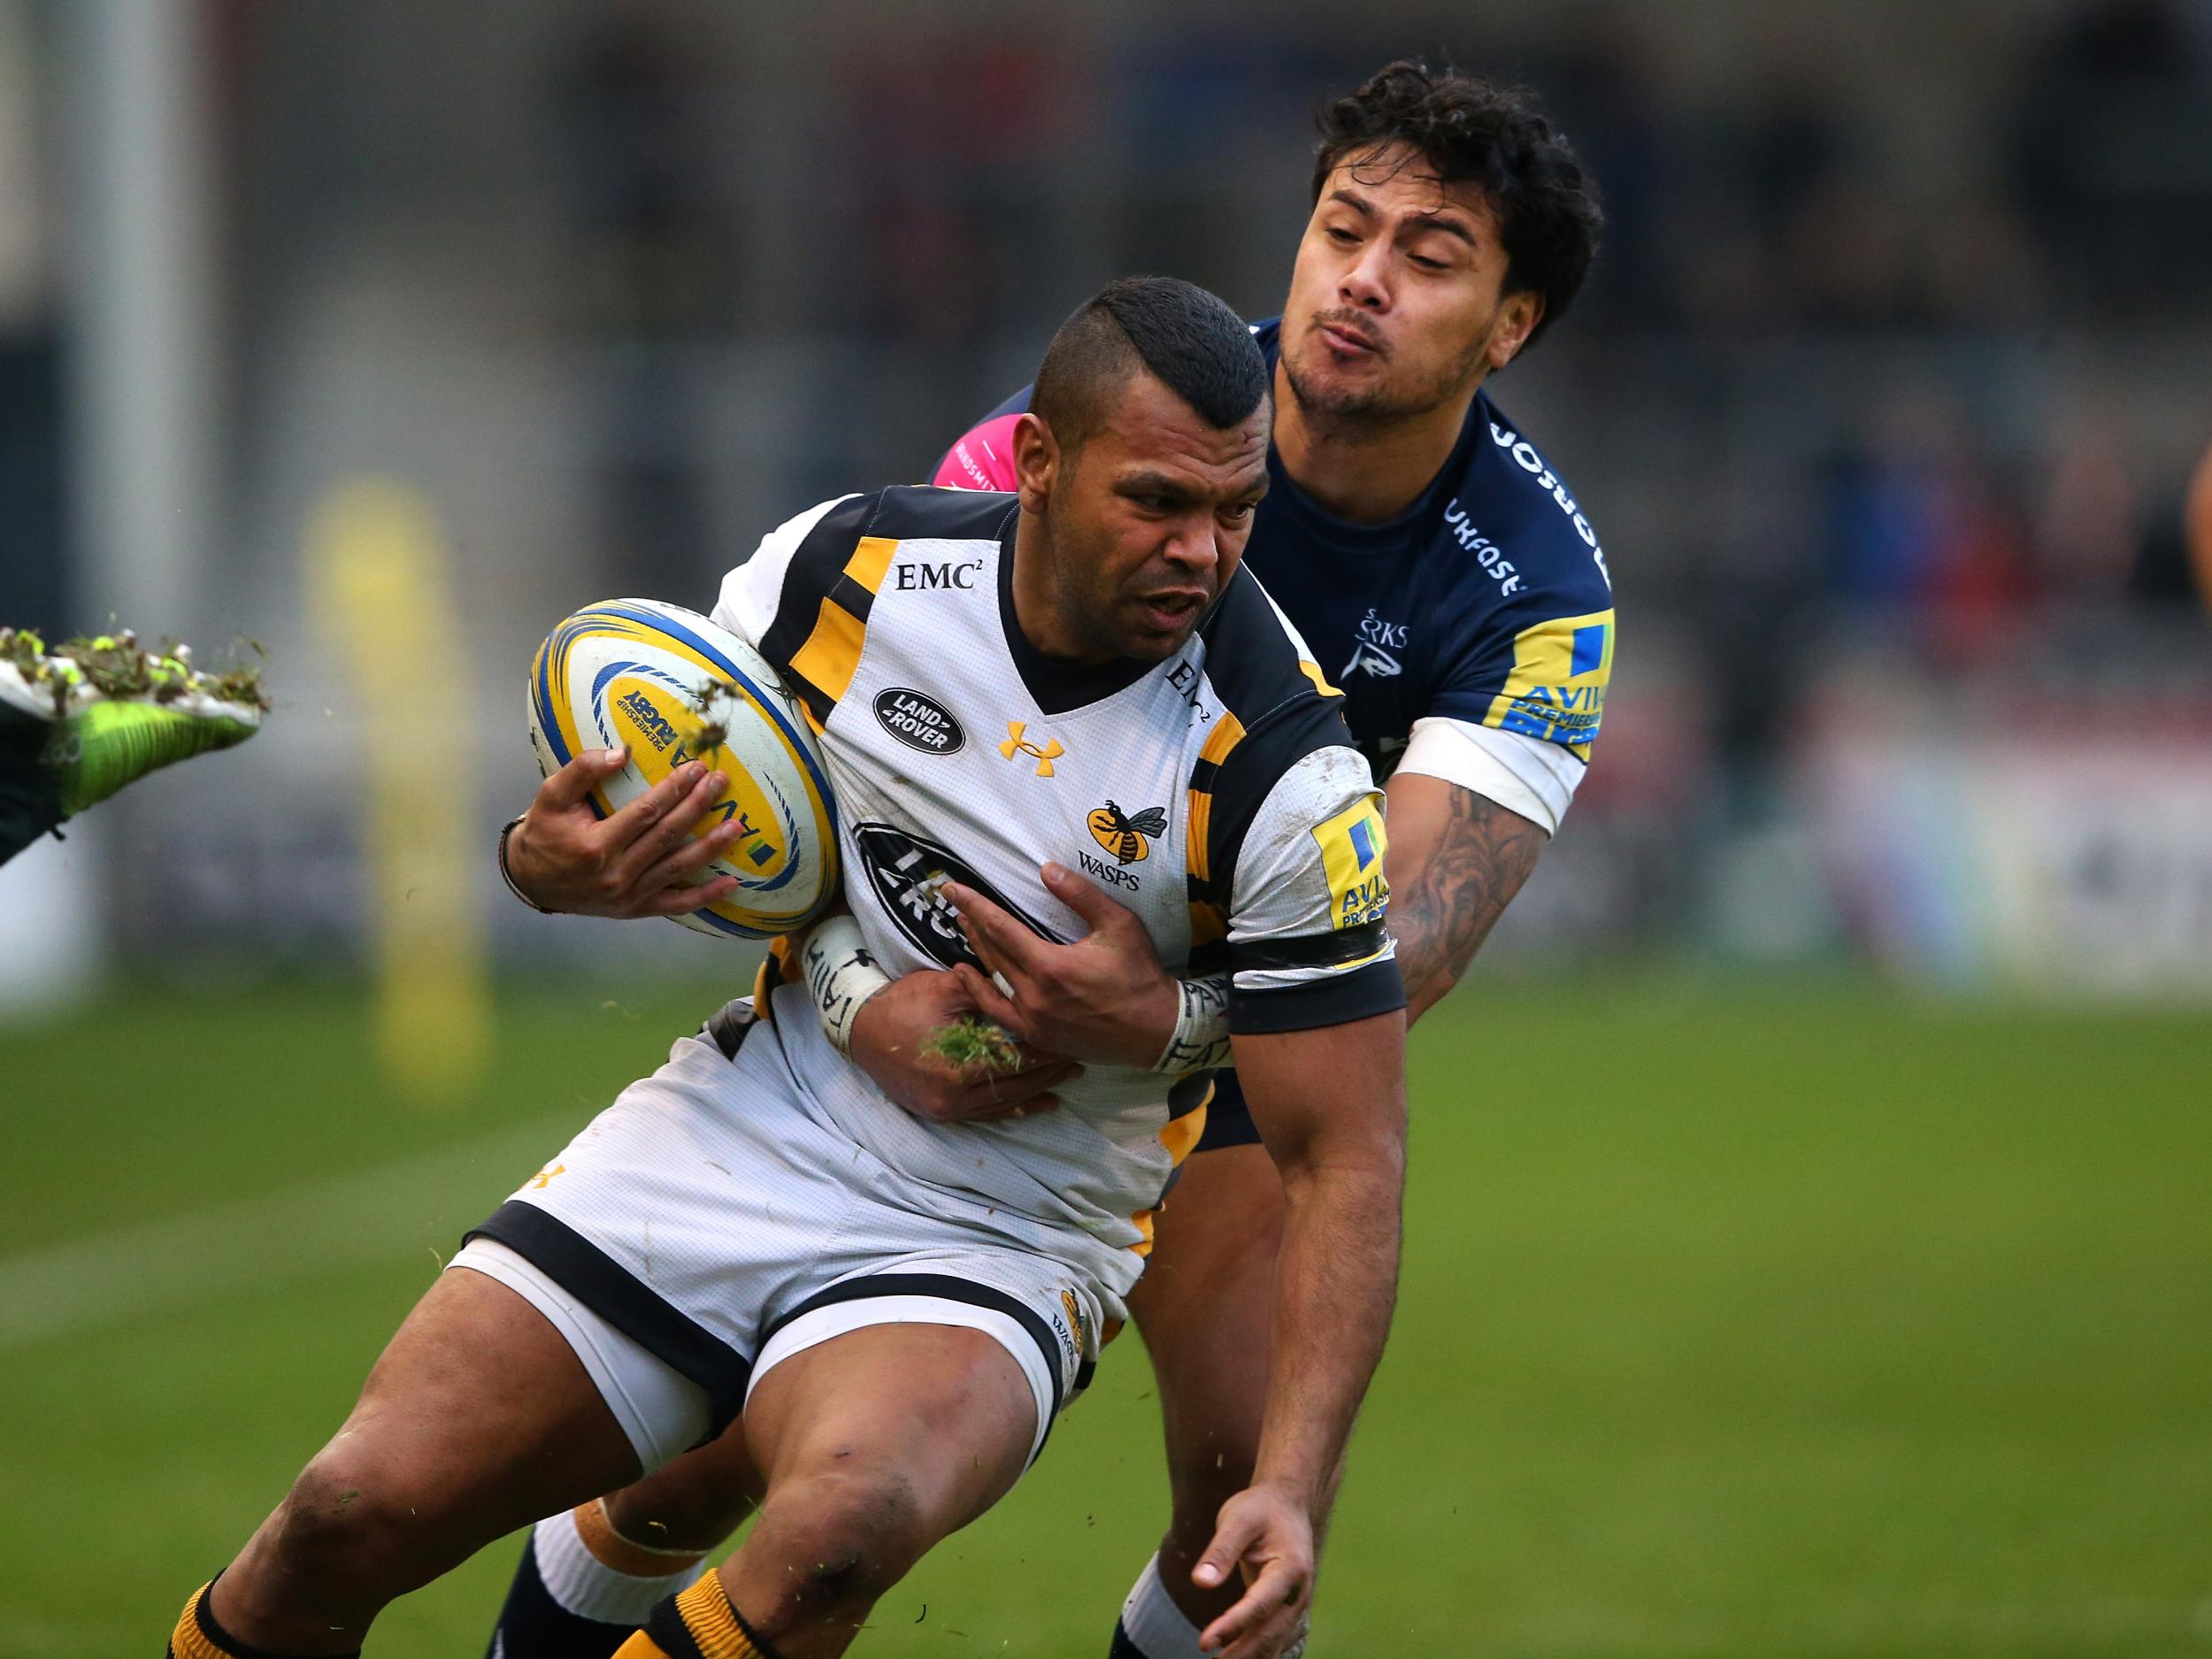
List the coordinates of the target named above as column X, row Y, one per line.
column 1217, row 795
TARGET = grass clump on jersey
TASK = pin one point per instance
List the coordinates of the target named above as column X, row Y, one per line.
column 970, row 1042
column 1735, row 1324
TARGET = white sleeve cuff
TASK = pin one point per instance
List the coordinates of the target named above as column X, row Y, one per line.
column 1522, row 774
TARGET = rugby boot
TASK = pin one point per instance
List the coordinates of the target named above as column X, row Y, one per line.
column 114, row 711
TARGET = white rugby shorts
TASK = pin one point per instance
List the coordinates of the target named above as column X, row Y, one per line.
column 712, row 1222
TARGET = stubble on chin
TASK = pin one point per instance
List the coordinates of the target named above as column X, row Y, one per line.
column 1376, row 404
column 1322, row 399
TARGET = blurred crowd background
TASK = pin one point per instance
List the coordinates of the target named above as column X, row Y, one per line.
column 1886, row 396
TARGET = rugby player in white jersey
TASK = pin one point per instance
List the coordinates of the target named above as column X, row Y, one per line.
column 1452, row 587
column 897, row 1307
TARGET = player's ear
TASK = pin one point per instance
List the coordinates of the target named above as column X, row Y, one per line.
column 1036, row 462
column 1518, row 313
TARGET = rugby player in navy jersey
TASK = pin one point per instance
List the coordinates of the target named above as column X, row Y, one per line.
column 1449, row 584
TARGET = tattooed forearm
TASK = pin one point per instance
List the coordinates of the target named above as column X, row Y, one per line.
column 1459, row 862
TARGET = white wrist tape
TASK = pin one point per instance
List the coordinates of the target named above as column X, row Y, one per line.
column 841, row 976
column 1201, row 1042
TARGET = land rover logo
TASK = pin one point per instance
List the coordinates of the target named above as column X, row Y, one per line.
column 919, row 722
column 908, row 876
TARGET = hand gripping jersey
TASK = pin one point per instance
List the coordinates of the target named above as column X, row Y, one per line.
column 1473, row 634
column 1216, row 795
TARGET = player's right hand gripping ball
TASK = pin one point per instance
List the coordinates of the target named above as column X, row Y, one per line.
column 674, row 687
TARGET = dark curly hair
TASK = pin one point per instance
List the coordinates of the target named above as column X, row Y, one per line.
column 1469, row 131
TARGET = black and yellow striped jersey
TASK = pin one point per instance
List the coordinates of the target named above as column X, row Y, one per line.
column 1217, row 794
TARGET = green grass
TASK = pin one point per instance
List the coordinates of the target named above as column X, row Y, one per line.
column 1736, row 1321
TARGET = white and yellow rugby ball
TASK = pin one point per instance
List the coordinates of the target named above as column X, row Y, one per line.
column 675, row 687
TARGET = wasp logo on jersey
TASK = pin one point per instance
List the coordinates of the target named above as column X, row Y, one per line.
column 1078, row 1328
column 1016, row 744
column 1353, row 845
column 1128, row 839
column 909, row 875
column 1556, row 691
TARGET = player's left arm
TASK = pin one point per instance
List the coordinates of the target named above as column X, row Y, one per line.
column 1489, row 770
column 1317, row 1028
column 1456, row 859
column 1330, row 1105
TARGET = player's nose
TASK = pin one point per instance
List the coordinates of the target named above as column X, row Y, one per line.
column 1194, row 551
column 1366, row 281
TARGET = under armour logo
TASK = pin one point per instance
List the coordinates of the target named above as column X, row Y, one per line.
column 543, row 1176
column 1016, row 744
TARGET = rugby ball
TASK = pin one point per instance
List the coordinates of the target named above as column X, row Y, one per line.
column 674, row 687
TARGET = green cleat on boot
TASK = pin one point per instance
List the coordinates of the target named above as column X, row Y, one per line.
column 112, row 711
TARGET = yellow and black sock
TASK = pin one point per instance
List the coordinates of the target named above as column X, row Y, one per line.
column 700, row 1623
column 581, row 1587
column 197, row 1635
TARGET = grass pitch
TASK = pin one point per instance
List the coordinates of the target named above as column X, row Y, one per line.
column 1736, row 1322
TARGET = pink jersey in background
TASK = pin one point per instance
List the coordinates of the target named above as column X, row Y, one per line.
column 984, row 459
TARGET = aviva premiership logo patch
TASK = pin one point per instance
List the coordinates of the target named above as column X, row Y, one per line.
column 1556, row 691
column 1352, row 848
